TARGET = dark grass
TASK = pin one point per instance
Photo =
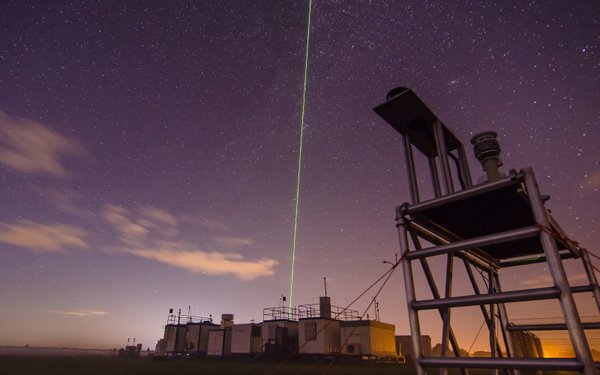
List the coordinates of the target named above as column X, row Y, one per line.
column 117, row 365
column 48, row 365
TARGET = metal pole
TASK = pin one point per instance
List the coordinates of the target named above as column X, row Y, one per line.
column 511, row 296
column 550, row 327
column 564, row 254
column 486, row 316
column 492, row 322
column 440, row 142
column 446, row 312
column 520, row 363
column 437, row 239
column 413, row 315
column 435, row 179
column 491, row 239
column 508, row 341
column 587, row 265
column 410, row 167
column 464, row 166
column 557, row 272
column 436, row 294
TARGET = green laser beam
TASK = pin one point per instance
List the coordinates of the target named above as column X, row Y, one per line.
column 294, row 240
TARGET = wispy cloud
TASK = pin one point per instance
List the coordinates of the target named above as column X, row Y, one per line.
column 233, row 242
column 212, row 263
column 160, row 221
column 151, row 233
column 159, row 215
column 42, row 237
column 80, row 313
column 130, row 232
column 31, row 147
column 67, row 201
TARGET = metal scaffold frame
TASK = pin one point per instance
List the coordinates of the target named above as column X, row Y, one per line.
column 497, row 224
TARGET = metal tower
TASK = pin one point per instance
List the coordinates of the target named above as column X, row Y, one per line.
column 496, row 224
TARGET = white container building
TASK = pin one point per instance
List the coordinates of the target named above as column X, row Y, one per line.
column 319, row 327
column 368, row 338
column 219, row 340
column 174, row 338
column 246, row 339
column 185, row 335
column 279, row 333
column 196, row 338
column 319, row 336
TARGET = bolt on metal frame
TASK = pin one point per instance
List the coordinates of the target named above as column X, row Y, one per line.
column 523, row 233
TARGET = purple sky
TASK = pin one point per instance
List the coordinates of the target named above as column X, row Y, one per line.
column 148, row 151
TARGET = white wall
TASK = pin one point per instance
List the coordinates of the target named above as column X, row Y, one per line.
column 327, row 339
column 242, row 341
column 215, row 342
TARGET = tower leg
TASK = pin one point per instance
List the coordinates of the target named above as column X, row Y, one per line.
column 508, row 341
column 492, row 321
column 484, row 312
column 446, row 312
column 413, row 317
column 559, row 277
column 436, row 294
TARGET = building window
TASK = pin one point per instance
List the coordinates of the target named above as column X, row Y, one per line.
column 310, row 331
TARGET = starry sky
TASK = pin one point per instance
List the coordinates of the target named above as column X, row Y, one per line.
column 148, row 151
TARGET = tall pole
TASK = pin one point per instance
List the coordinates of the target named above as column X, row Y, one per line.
column 413, row 318
column 559, row 277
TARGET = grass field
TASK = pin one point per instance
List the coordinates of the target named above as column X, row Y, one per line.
column 116, row 365
column 49, row 365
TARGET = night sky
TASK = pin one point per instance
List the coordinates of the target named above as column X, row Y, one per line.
column 148, row 151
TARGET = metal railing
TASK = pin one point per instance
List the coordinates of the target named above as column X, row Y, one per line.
column 187, row 318
column 280, row 313
column 314, row 310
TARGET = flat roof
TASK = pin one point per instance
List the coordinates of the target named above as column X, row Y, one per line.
column 280, row 320
column 367, row 323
